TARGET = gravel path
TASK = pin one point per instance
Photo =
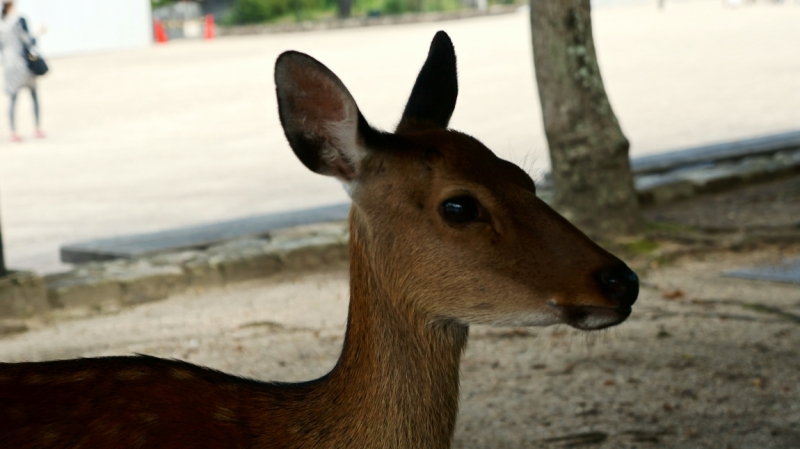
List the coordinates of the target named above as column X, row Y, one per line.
column 705, row 361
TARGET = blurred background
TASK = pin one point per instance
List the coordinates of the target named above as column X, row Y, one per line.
column 163, row 149
column 146, row 136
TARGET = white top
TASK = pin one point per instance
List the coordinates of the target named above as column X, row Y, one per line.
column 15, row 69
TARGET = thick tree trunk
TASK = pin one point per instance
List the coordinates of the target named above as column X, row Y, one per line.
column 589, row 154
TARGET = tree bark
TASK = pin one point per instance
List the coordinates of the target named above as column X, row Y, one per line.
column 588, row 152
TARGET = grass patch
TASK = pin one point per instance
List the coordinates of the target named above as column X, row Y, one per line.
column 640, row 246
column 659, row 226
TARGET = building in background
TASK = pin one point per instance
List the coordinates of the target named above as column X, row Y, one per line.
column 182, row 19
column 86, row 26
column 217, row 7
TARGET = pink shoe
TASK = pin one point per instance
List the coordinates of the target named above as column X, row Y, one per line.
column 16, row 138
column 40, row 134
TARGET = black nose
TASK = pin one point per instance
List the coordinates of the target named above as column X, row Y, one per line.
column 620, row 283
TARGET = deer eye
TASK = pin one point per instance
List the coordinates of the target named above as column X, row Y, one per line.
column 460, row 210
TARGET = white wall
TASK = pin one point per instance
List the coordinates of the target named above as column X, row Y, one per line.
column 84, row 26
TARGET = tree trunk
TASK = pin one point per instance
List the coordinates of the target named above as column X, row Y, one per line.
column 588, row 152
column 344, row 8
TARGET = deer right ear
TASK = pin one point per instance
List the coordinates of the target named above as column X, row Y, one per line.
column 433, row 97
column 319, row 116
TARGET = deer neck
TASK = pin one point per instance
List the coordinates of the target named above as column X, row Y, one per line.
column 396, row 382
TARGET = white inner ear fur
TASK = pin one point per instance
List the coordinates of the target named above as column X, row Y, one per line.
column 344, row 150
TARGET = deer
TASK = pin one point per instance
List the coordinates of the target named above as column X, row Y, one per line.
column 443, row 235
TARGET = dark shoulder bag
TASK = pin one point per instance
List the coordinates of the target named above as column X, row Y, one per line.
column 35, row 62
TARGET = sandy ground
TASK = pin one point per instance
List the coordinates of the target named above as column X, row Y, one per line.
column 188, row 133
column 704, row 361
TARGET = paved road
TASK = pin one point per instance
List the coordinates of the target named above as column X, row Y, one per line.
column 188, row 133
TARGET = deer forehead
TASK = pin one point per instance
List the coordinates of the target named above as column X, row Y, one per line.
column 450, row 159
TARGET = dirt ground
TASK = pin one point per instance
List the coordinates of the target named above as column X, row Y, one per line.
column 704, row 361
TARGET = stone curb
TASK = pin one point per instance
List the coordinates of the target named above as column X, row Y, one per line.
column 357, row 22
column 22, row 294
column 114, row 284
column 715, row 177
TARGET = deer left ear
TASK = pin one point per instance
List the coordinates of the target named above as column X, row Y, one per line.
column 319, row 116
column 433, row 97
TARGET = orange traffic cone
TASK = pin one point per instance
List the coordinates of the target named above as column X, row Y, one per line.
column 210, row 31
column 161, row 34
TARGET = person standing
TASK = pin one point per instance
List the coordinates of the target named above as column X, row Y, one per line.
column 14, row 38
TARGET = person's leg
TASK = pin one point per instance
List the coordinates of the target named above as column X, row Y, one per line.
column 11, row 108
column 35, row 98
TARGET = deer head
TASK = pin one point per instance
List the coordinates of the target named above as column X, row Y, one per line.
column 448, row 228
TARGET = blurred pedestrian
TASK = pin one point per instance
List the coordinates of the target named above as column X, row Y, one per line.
column 14, row 40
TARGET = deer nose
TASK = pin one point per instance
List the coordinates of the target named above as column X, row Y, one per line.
column 619, row 283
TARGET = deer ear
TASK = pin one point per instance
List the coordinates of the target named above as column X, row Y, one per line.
column 319, row 117
column 433, row 97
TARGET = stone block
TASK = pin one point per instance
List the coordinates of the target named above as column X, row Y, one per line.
column 12, row 326
column 751, row 171
column 143, row 282
column 178, row 258
column 22, row 294
column 80, row 289
column 248, row 266
column 201, row 272
column 310, row 253
column 332, row 229
column 712, row 179
column 242, row 260
column 657, row 189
